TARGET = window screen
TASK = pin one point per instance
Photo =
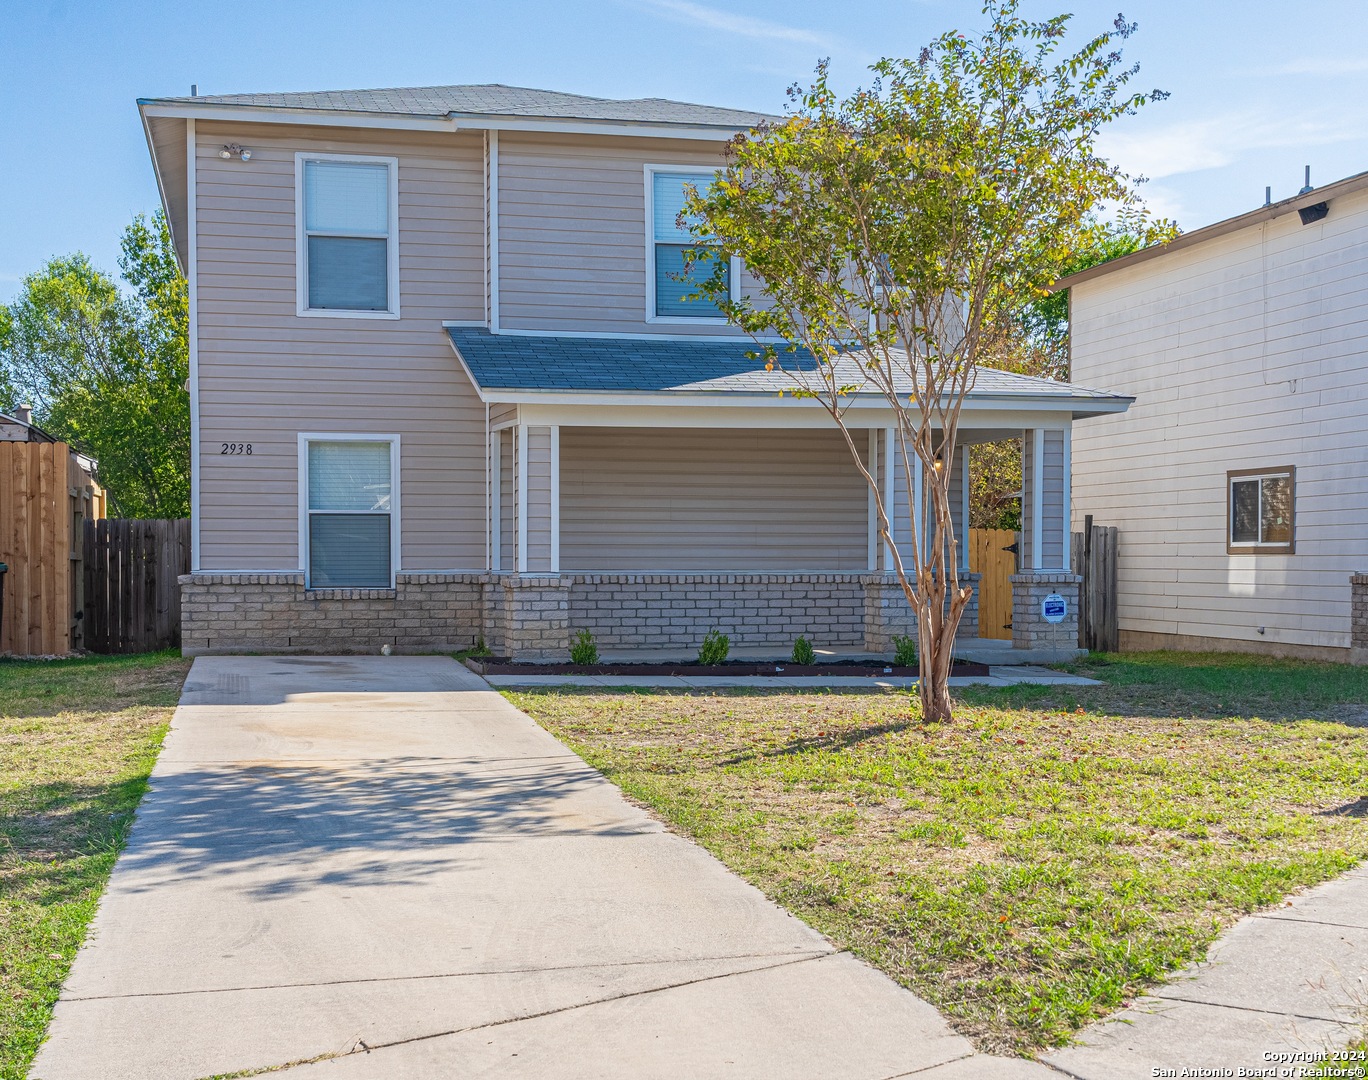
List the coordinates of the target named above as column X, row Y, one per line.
column 346, row 224
column 349, row 507
column 1261, row 511
column 673, row 283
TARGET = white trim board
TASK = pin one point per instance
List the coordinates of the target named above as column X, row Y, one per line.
column 273, row 114
column 192, row 306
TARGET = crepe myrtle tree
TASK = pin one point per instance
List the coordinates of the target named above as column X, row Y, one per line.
column 895, row 233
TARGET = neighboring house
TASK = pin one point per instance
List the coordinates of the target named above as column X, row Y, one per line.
column 446, row 384
column 1239, row 480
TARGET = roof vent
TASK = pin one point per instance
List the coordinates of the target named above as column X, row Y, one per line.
column 194, row 89
column 1306, row 186
column 24, row 414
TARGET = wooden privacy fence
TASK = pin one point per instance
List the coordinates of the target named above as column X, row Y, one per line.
column 46, row 496
column 1095, row 558
column 988, row 555
column 132, row 597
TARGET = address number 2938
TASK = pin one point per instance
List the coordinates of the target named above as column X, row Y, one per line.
column 235, row 449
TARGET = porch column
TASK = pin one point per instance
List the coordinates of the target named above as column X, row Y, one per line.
column 1045, row 591
column 959, row 523
column 534, row 615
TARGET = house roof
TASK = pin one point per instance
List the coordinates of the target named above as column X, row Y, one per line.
column 1219, row 228
column 483, row 100
column 504, row 365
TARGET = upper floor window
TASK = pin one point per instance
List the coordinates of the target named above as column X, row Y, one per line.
column 670, row 281
column 348, row 251
column 1260, row 511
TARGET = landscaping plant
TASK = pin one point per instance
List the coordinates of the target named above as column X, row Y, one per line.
column 904, row 651
column 802, row 652
column 898, row 233
column 583, row 650
column 714, row 649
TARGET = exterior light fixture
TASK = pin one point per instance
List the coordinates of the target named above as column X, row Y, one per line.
column 229, row 149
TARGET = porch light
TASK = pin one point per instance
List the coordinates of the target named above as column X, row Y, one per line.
column 229, row 149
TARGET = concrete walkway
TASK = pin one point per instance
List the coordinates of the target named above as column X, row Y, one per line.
column 376, row 867
column 1286, row 981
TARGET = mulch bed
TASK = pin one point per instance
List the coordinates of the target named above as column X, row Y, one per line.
column 501, row 665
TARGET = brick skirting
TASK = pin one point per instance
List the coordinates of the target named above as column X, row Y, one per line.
column 535, row 617
column 1358, row 618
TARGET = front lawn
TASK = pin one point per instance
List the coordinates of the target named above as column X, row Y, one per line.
column 77, row 741
column 1037, row 863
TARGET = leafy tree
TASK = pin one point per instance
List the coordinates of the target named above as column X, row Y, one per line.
column 105, row 371
column 898, row 234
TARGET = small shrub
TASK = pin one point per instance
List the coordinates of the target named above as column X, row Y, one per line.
column 802, row 652
column 714, row 648
column 583, row 650
column 481, row 649
column 904, row 651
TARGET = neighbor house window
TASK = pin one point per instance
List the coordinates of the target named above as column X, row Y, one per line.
column 670, row 280
column 348, row 257
column 1260, row 510
column 349, row 512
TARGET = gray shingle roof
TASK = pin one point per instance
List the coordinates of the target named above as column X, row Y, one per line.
column 489, row 99
column 517, row 362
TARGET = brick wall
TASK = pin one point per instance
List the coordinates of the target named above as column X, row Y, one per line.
column 677, row 610
column 535, row 617
column 274, row 612
column 1029, row 628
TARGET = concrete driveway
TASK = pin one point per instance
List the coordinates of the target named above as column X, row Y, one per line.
column 376, row 867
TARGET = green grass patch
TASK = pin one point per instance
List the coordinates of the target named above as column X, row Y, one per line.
column 77, row 741
column 1040, row 861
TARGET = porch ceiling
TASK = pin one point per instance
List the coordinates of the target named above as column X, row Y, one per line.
column 669, row 371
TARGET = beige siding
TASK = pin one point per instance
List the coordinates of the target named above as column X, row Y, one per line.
column 538, row 499
column 572, row 231
column 659, row 499
column 1247, row 351
column 502, row 414
column 267, row 374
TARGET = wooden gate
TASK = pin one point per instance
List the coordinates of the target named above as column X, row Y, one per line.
column 989, row 556
column 1095, row 551
column 132, row 597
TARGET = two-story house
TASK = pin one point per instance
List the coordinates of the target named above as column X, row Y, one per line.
column 1239, row 481
column 447, row 383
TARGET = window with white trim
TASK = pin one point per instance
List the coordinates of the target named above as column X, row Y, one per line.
column 674, row 278
column 1260, row 511
column 348, row 257
column 349, row 507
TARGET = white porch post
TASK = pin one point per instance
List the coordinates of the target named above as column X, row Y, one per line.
column 919, row 499
column 496, row 500
column 520, row 465
column 555, row 500
column 1067, row 539
column 1037, row 498
column 873, row 518
column 888, row 499
column 964, row 508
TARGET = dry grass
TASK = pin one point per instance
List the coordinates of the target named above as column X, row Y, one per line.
column 1032, row 866
column 77, row 741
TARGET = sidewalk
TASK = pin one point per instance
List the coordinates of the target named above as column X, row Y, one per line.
column 1287, row 980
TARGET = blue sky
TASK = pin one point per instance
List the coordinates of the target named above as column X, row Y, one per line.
column 1259, row 89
